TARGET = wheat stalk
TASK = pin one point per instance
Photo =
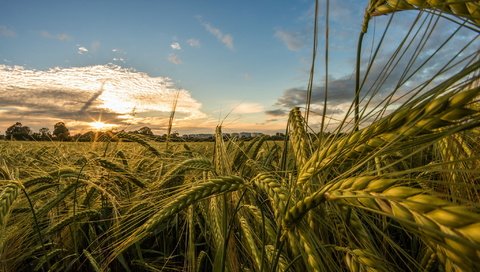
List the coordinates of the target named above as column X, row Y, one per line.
column 51, row 176
column 57, row 199
column 118, row 169
column 179, row 169
column 453, row 229
column 189, row 196
column 93, row 262
column 138, row 139
column 425, row 119
column 70, row 219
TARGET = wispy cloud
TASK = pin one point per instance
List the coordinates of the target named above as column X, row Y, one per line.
column 60, row 37
column 6, row 32
column 122, row 60
column 293, row 40
column 277, row 112
column 175, row 46
column 119, row 55
column 174, row 58
column 248, row 108
column 226, row 39
column 82, row 50
column 193, row 42
column 81, row 94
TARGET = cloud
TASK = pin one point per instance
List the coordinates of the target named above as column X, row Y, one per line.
column 119, row 55
column 76, row 96
column 226, row 39
column 174, row 58
column 293, row 40
column 277, row 112
column 60, row 37
column 340, row 91
column 193, row 42
column 82, row 50
column 122, row 60
column 6, row 32
column 248, row 108
column 175, row 46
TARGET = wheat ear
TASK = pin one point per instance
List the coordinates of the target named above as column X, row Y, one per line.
column 277, row 192
column 138, row 139
column 189, row 196
column 119, row 169
column 426, row 118
column 70, row 219
column 461, row 8
column 7, row 197
column 298, row 137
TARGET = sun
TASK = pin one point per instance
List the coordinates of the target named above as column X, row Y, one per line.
column 97, row 125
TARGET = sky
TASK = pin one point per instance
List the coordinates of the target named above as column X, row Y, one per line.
column 241, row 64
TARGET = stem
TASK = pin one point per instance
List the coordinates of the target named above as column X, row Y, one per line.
column 357, row 79
column 312, row 68
column 326, row 68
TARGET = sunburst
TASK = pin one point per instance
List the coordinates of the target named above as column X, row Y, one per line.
column 99, row 125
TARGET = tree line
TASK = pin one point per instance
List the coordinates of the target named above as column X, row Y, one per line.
column 60, row 132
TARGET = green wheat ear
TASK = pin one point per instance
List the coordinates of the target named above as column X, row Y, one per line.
column 7, row 197
column 179, row 202
column 141, row 141
column 463, row 9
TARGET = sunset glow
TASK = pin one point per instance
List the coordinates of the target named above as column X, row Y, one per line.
column 98, row 125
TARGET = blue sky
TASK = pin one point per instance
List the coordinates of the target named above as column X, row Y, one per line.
column 235, row 60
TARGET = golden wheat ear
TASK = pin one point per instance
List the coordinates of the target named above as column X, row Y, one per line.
column 467, row 9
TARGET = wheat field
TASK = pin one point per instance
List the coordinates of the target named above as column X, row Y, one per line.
column 398, row 190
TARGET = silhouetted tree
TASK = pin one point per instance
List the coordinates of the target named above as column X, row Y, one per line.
column 45, row 134
column 18, row 131
column 87, row 137
column 145, row 131
column 36, row 136
column 60, row 131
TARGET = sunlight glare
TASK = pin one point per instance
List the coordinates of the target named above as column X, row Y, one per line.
column 97, row 125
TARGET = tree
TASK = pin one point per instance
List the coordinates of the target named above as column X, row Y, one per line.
column 45, row 134
column 18, row 132
column 87, row 137
column 145, row 131
column 60, row 131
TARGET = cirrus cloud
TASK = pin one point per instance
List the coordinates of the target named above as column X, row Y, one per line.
column 293, row 40
column 226, row 39
column 174, row 58
column 61, row 36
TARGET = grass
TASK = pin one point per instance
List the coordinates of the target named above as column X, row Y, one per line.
column 396, row 191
